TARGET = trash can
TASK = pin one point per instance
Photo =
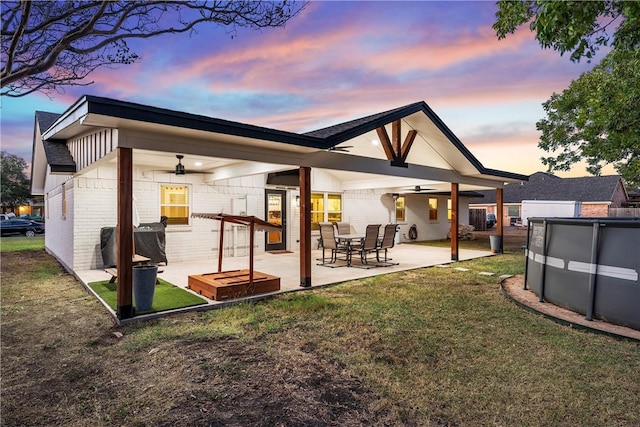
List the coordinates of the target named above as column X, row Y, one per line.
column 144, row 286
column 495, row 242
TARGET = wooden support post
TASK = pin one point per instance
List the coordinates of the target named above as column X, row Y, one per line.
column 252, row 230
column 455, row 205
column 305, row 226
column 500, row 217
column 124, row 234
column 220, row 245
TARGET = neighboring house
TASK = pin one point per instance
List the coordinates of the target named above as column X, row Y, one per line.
column 594, row 195
column 402, row 166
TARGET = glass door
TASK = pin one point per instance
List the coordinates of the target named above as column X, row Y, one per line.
column 276, row 212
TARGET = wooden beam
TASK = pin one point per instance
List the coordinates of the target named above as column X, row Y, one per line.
column 386, row 143
column 455, row 205
column 396, row 131
column 305, row 227
column 408, row 142
column 124, row 234
column 500, row 216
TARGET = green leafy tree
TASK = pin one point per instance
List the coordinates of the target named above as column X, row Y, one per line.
column 14, row 184
column 596, row 119
column 50, row 44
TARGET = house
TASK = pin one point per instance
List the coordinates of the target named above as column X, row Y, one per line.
column 594, row 195
column 102, row 160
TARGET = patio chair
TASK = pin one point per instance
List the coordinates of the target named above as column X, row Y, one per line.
column 367, row 246
column 329, row 242
column 386, row 243
column 344, row 228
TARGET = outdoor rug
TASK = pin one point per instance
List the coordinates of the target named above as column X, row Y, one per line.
column 165, row 297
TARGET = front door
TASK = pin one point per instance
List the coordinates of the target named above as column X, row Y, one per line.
column 276, row 212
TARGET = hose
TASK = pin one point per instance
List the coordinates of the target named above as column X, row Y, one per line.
column 413, row 232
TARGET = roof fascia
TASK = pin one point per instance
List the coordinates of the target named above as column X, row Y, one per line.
column 71, row 115
column 148, row 114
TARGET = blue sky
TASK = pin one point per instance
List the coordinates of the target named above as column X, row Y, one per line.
column 338, row 61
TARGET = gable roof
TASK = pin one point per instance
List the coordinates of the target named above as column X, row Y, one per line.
column 545, row 186
column 436, row 156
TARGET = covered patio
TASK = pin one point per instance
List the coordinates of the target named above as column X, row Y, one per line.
column 95, row 158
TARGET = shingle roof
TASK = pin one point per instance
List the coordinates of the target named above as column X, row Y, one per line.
column 58, row 156
column 545, row 186
column 332, row 131
column 45, row 119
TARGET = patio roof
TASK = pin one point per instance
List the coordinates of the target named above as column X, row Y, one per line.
column 352, row 151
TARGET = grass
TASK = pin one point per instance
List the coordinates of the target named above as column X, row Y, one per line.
column 21, row 243
column 428, row 347
column 165, row 297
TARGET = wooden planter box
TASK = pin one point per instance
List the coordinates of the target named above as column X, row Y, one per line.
column 232, row 284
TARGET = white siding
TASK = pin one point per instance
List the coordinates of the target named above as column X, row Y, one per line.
column 58, row 228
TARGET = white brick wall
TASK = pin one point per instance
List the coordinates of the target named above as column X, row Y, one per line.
column 58, row 228
column 92, row 202
column 96, row 207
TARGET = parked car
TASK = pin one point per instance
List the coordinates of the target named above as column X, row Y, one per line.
column 31, row 217
column 21, row 226
column 491, row 220
column 5, row 217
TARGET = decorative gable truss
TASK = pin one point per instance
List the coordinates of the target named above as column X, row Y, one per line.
column 396, row 152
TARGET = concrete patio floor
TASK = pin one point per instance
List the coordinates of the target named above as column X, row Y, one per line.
column 287, row 267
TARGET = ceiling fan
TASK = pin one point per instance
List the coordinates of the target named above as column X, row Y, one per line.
column 343, row 149
column 179, row 168
column 418, row 189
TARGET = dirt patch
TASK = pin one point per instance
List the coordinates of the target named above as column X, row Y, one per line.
column 65, row 363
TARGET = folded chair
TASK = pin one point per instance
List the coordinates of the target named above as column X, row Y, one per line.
column 387, row 242
column 368, row 245
column 329, row 242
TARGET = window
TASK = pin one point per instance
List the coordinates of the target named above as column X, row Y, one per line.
column 433, row 209
column 449, row 209
column 317, row 210
column 325, row 208
column 334, row 207
column 174, row 204
column 513, row 211
column 400, row 209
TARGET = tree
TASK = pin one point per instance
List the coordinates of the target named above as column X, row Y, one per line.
column 596, row 119
column 50, row 44
column 14, row 188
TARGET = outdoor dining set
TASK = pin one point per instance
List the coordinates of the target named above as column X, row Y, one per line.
column 343, row 242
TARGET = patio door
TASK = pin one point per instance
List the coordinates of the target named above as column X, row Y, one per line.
column 276, row 212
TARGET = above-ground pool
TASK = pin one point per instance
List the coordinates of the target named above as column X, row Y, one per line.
column 587, row 265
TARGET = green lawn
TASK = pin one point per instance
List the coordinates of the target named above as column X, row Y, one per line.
column 21, row 243
column 427, row 347
column 165, row 297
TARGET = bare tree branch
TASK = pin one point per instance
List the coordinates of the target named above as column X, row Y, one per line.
column 47, row 45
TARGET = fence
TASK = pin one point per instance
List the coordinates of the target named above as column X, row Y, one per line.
column 478, row 218
column 625, row 212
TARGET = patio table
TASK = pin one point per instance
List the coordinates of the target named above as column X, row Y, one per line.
column 348, row 239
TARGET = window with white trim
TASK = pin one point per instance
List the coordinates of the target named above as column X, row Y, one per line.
column 325, row 207
column 175, row 203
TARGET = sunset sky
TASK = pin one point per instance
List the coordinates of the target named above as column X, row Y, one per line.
column 338, row 61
